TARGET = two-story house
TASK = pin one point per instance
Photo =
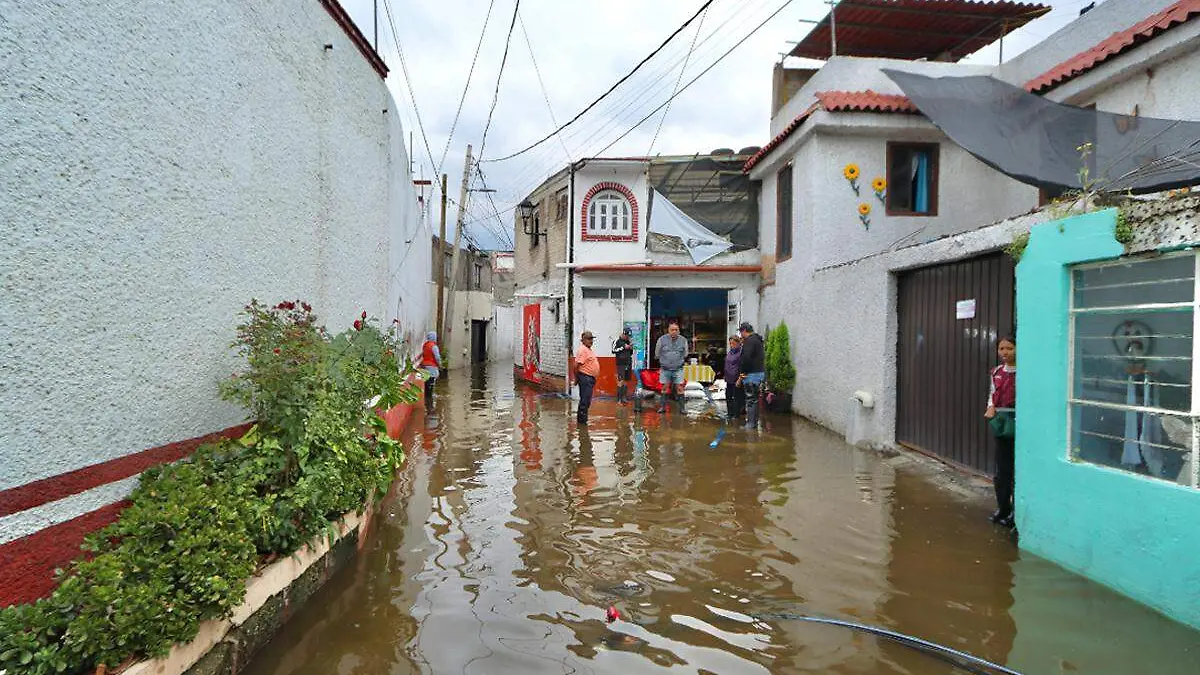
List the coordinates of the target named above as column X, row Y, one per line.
column 638, row 243
column 893, row 285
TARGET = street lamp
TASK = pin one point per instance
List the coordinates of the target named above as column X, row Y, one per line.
column 526, row 209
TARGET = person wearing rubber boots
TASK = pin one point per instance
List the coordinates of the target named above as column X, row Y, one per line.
column 752, row 371
column 671, row 351
column 622, row 349
column 431, row 363
column 587, row 369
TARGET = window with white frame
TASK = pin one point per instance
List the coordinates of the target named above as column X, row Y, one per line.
column 1133, row 360
column 612, row 293
column 609, row 214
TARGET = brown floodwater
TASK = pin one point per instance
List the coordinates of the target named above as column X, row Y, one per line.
column 510, row 532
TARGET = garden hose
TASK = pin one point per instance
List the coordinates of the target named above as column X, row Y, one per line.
column 963, row 660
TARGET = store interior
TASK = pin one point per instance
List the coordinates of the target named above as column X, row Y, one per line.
column 702, row 317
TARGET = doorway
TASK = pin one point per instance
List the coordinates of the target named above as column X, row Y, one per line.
column 950, row 318
column 703, row 318
column 479, row 331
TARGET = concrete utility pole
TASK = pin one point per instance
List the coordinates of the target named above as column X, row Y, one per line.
column 441, row 266
column 463, row 195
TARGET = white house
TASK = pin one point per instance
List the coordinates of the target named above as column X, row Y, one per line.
column 896, row 297
column 602, row 246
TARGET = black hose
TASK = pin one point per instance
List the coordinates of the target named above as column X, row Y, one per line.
column 952, row 656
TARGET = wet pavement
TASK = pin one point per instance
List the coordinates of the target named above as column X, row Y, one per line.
column 510, row 533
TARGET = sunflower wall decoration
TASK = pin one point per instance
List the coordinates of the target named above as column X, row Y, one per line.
column 851, row 173
column 864, row 214
column 879, row 185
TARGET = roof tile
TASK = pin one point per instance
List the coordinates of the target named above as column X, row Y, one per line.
column 1115, row 44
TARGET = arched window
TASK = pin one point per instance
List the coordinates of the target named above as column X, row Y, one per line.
column 610, row 214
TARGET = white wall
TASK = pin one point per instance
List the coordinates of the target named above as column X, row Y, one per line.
column 1164, row 89
column 157, row 172
column 633, row 176
column 502, row 340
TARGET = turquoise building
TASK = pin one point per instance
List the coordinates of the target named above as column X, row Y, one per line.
column 1107, row 469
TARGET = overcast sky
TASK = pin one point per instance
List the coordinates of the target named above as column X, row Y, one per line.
column 581, row 48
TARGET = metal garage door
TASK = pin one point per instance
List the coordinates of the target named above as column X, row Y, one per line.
column 950, row 317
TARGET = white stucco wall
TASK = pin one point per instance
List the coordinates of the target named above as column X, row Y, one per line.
column 1158, row 78
column 502, row 339
column 157, row 172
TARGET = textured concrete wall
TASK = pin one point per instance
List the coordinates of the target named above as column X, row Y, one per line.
column 1083, row 516
column 1164, row 89
column 160, row 166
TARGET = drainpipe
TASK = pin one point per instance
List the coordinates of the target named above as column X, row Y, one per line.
column 570, row 299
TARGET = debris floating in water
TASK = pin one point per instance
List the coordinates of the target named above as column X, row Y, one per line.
column 612, row 614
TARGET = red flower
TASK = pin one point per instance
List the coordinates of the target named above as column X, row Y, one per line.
column 307, row 307
column 357, row 325
column 276, row 350
column 364, row 316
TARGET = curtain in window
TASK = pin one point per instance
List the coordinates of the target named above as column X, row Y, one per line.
column 921, row 182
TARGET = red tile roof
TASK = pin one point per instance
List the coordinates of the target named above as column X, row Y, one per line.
column 915, row 29
column 837, row 101
column 1115, row 44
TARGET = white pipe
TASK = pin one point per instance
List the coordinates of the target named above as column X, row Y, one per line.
column 571, row 266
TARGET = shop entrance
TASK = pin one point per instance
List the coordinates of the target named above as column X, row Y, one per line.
column 703, row 316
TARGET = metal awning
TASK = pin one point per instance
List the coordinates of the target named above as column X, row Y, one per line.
column 945, row 30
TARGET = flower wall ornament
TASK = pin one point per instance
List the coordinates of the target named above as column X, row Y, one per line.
column 851, row 173
column 864, row 214
column 879, row 185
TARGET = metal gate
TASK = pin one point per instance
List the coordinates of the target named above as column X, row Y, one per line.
column 950, row 317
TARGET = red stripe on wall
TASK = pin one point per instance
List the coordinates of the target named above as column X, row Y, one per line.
column 27, row 564
column 54, row 488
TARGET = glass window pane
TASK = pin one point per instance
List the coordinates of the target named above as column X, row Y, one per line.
column 1155, row 445
column 1140, row 358
column 1138, row 282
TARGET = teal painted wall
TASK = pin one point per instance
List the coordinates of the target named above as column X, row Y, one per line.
column 1134, row 534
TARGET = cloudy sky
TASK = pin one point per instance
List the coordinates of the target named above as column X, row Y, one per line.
column 581, row 48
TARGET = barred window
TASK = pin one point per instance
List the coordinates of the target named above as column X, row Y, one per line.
column 1132, row 361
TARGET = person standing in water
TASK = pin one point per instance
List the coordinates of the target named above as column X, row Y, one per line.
column 735, row 395
column 1002, row 418
column 671, row 351
column 622, row 349
column 431, row 363
column 752, row 371
column 587, row 369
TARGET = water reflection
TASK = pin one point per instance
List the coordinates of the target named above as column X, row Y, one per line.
column 510, row 532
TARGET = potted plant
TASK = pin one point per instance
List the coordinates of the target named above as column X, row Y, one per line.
column 781, row 374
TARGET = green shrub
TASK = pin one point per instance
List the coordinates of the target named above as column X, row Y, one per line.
column 781, row 374
column 196, row 530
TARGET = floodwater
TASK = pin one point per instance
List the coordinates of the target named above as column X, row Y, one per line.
column 510, row 533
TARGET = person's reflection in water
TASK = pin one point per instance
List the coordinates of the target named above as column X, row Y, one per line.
column 586, row 478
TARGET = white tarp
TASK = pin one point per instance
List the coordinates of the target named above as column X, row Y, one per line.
column 700, row 242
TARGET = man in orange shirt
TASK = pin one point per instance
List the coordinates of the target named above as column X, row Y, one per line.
column 587, row 369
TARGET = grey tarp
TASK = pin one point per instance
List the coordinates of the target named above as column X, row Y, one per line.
column 701, row 243
column 1038, row 141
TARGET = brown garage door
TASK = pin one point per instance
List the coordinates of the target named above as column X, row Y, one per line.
column 944, row 359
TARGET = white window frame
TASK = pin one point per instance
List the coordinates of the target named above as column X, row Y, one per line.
column 599, row 216
column 1193, row 413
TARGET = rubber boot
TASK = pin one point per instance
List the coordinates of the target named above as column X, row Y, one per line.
column 621, row 393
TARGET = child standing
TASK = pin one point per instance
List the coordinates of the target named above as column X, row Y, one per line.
column 1002, row 418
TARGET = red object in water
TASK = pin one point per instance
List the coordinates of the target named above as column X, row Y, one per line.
column 612, row 614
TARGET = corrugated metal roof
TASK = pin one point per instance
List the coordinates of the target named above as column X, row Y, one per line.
column 915, row 29
column 1115, row 44
column 837, row 101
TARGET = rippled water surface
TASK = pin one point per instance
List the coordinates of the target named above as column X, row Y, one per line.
column 510, row 532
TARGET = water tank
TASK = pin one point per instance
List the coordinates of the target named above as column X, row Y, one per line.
column 749, row 150
column 720, row 152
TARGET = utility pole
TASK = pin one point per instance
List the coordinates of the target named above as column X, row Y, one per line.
column 376, row 15
column 463, row 196
column 441, row 266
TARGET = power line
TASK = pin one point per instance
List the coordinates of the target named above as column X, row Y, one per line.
column 387, row 6
column 612, row 88
column 499, row 77
column 466, row 87
column 542, row 84
column 682, row 70
column 702, row 74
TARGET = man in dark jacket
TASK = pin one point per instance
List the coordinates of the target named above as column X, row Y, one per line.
column 623, row 350
column 753, row 371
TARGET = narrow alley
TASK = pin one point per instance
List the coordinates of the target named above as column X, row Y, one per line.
column 510, row 533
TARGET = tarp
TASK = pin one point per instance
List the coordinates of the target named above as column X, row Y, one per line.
column 714, row 191
column 1038, row 141
column 667, row 219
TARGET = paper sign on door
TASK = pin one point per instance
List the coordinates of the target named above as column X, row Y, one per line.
column 964, row 309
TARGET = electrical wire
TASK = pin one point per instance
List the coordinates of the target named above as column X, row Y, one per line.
column 499, row 76
column 702, row 74
column 470, row 73
column 678, row 80
column 612, row 88
column 542, row 84
column 387, row 6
